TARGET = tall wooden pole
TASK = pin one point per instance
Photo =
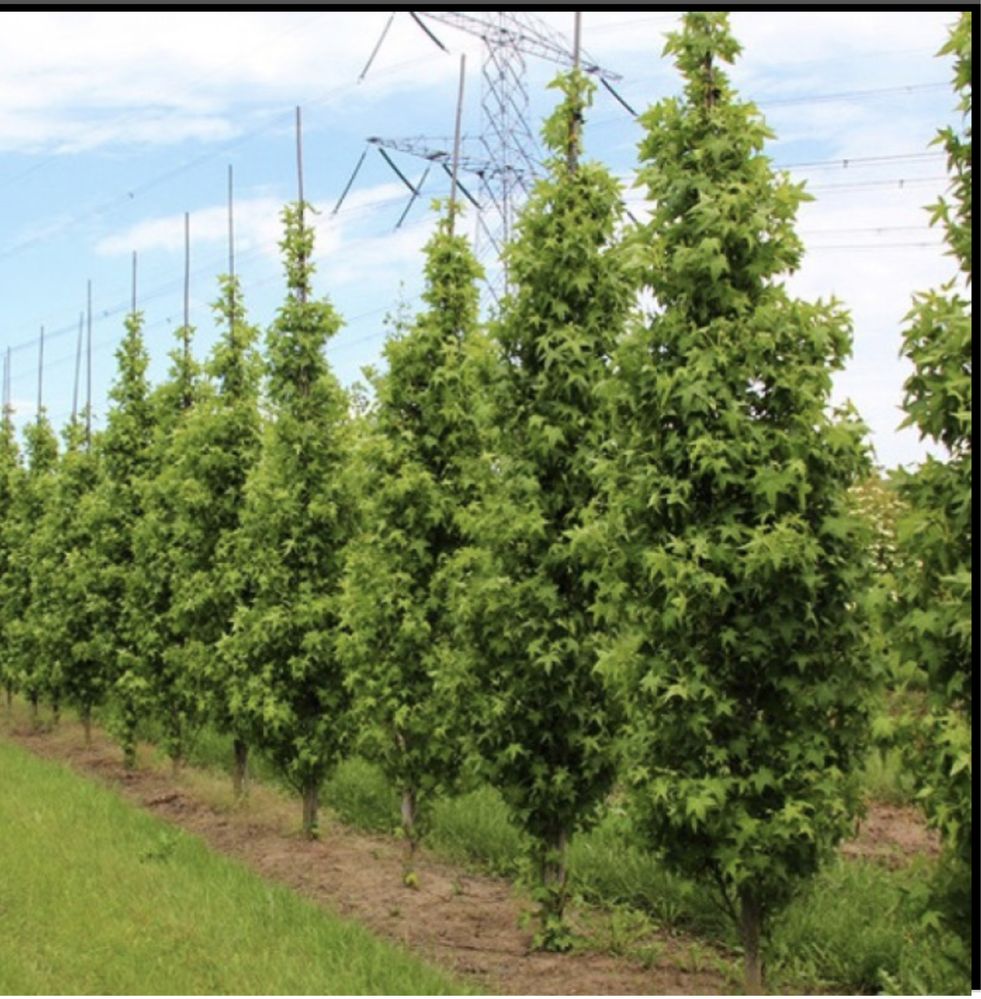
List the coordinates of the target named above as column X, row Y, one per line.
column 187, row 275
column 78, row 366
column 299, row 190
column 576, row 124
column 88, row 366
column 231, row 228
column 456, row 141
column 40, row 373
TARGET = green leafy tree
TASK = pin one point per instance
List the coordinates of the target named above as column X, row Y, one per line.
column 173, row 696
column 934, row 606
column 736, row 563
column 404, row 665
column 70, row 626
column 214, row 449
column 547, row 741
column 11, row 483
column 33, row 675
column 288, row 684
column 112, row 516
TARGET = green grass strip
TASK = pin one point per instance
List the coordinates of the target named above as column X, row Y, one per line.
column 98, row 897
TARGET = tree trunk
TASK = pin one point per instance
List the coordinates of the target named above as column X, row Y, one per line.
column 10, row 699
column 35, row 721
column 310, row 802
column 554, row 877
column 55, row 712
column 411, row 838
column 750, row 926
column 87, row 725
column 240, row 772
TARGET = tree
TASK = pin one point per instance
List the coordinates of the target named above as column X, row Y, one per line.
column 112, row 517
column 173, row 696
column 404, row 666
column 70, row 625
column 288, row 683
column 735, row 563
column 33, row 675
column 214, row 450
column 934, row 606
column 549, row 725
column 11, row 482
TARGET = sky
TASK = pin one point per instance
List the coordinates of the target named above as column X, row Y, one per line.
column 113, row 125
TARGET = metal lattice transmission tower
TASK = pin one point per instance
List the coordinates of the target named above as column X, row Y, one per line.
column 510, row 156
column 513, row 156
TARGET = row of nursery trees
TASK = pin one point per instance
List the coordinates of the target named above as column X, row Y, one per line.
column 587, row 543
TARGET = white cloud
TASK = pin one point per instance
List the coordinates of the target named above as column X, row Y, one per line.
column 345, row 255
column 75, row 80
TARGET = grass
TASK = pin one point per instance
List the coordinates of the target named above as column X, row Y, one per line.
column 858, row 927
column 98, row 897
column 886, row 779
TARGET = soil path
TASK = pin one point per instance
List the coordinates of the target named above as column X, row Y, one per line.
column 461, row 921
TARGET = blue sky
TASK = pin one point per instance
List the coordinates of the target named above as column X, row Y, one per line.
column 114, row 124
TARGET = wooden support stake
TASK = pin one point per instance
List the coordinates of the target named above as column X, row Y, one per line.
column 456, row 140
column 88, row 366
column 231, row 227
column 187, row 277
column 78, row 367
column 40, row 373
column 133, row 303
column 299, row 188
column 575, row 126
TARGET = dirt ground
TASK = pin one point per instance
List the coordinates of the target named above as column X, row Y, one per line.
column 462, row 921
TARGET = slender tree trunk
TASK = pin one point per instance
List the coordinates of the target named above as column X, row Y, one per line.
column 87, row 725
column 750, row 925
column 554, row 877
column 240, row 771
column 55, row 711
column 411, row 835
column 35, row 721
column 10, row 699
column 311, row 794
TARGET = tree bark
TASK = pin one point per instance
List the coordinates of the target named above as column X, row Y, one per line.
column 311, row 794
column 554, row 878
column 240, row 773
column 750, row 925
column 409, row 830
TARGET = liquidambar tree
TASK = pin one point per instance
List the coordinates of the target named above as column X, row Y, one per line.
column 934, row 609
column 741, row 564
column 112, row 517
column 11, row 483
column 174, row 697
column 404, row 665
column 214, row 450
column 288, row 686
column 30, row 563
column 548, row 723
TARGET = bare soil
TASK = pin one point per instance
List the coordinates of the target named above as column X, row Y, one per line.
column 892, row 835
column 464, row 922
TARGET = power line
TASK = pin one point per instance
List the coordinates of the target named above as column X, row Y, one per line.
column 852, row 95
column 846, row 162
